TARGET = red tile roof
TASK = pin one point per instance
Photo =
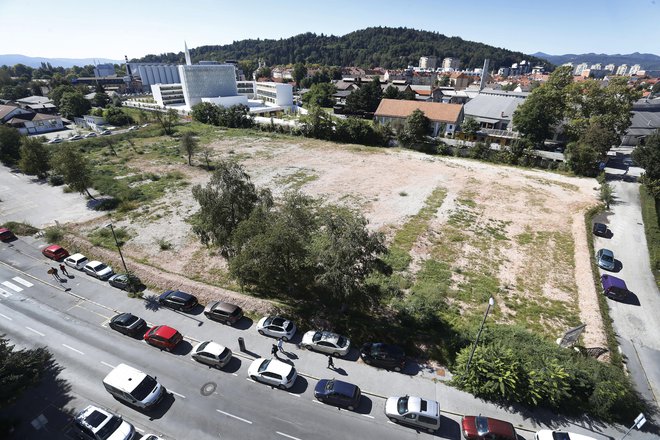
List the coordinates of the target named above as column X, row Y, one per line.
column 435, row 111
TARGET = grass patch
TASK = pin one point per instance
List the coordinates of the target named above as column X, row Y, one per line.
column 19, row 228
column 102, row 237
column 297, row 180
column 652, row 230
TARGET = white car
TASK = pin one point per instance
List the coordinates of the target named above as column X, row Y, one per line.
column 273, row 372
column 76, row 261
column 75, row 138
column 133, row 127
column 94, row 423
column 90, row 135
column 326, row 342
column 414, row 411
column 547, row 434
column 98, row 270
column 276, row 327
column 211, row 353
column 106, row 132
column 54, row 141
column 151, row 437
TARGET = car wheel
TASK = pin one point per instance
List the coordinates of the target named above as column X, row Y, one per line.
column 254, row 378
column 261, row 332
column 227, row 322
column 350, row 407
column 320, row 399
column 281, row 386
column 392, row 419
column 397, row 368
column 285, row 339
column 336, row 354
column 431, row 430
column 307, row 347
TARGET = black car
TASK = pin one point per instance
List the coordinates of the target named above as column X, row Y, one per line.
column 383, row 355
column 600, row 229
column 338, row 393
column 177, row 300
column 128, row 324
column 127, row 282
column 223, row 312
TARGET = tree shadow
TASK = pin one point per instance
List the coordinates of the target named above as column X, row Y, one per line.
column 151, row 303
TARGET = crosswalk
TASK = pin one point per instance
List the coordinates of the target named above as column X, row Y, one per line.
column 10, row 286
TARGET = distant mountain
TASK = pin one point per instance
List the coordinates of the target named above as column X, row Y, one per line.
column 648, row 61
column 371, row 47
column 12, row 59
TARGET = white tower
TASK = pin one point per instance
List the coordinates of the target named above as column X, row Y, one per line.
column 188, row 62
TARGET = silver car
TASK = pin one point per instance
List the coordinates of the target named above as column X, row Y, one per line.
column 605, row 259
column 414, row 411
column 211, row 353
column 326, row 342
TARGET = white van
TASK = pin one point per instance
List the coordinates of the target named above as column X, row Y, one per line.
column 133, row 387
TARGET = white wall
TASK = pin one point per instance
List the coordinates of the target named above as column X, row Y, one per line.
column 227, row 101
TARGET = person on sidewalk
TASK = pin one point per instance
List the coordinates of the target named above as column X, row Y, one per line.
column 331, row 362
column 64, row 271
column 274, row 350
column 280, row 345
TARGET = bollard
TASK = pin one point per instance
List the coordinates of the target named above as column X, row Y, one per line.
column 241, row 344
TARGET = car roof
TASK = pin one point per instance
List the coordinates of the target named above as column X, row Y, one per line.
column 54, row 247
column 165, row 331
column 279, row 367
column 612, row 281
column 344, row 388
column 606, row 252
column 93, row 263
column 4, row 230
column 212, row 347
column 415, row 405
column 77, row 256
column 93, row 416
column 125, row 377
column 124, row 317
column 176, row 294
column 276, row 320
column 495, row 426
column 221, row 305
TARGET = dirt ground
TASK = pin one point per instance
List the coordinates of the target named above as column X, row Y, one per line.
column 388, row 186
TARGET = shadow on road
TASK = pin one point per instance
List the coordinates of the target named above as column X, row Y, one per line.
column 630, row 299
column 300, row 386
column 159, row 410
column 233, row 366
column 183, row 348
column 244, row 323
column 448, row 428
column 366, row 405
column 151, row 303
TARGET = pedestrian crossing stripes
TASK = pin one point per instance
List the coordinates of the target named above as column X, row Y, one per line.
column 12, row 286
column 20, row 280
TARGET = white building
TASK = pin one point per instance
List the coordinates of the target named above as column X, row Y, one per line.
column 429, row 62
column 580, row 68
column 634, row 69
column 276, row 94
column 623, row 68
column 155, row 73
column 451, row 64
column 207, row 81
column 246, row 88
column 167, row 94
column 596, row 66
column 610, row 67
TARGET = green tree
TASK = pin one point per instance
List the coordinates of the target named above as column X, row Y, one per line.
column 101, row 98
column 167, row 120
column 470, row 126
column 606, row 194
column 583, row 159
column 599, row 137
column 366, row 98
column 317, row 124
column 73, row 166
column 236, row 116
column 544, row 108
column 206, row 113
column 10, row 145
column 74, row 104
column 391, row 92
column 415, row 131
column 188, row 145
column 647, row 156
column 443, row 81
column 320, row 95
column 299, row 72
column 228, row 199
column 116, row 116
column 35, row 158
column 57, row 93
column 20, row 370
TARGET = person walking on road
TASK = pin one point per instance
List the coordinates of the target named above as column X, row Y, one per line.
column 274, row 350
column 64, row 271
column 52, row 271
column 331, row 363
column 280, row 345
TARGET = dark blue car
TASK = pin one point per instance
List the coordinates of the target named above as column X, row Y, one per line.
column 177, row 300
column 338, row 393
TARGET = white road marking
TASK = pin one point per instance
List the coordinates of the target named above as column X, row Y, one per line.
column 286, row 435
column 12, row 286
column 176, row 394
column 5, row 316
column 235, row 374
column 236, row 417
column 73, row 349
column 33, row 330
column 367, row 415
column 250, row 380
column 295, row 395
column 138, row 429
column 107, row 364
column 5, row 293
column 20, row 280
column 316, row 401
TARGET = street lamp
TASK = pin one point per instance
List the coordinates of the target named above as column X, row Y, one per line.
column 109, row 225
column 491, row 302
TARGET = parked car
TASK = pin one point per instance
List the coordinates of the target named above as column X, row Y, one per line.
column 144, row 125
column 105, row 132
column 133, row 127
column 547, row 434
column 276, row 327
column 383, row 355
column 614, row 287
column 338, row 393
column 272, row 372
column 94, row 423
column 128, row 324
column 485, row 428
column 629, row 162
column 76, row 261
column 6, row 235
column 98, row 270
column 76, row 137
column 223, row 312
column 55, row 252
column 127, row 282
column 605, row 259
column 151, row 437
column 54, row 141
column 90, row 135
column 163, row 337
column 177, row 300
column 414, row 411
column 211, row 353
column 326, row 342
column 600, row 229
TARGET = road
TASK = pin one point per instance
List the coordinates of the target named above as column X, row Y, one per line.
column 635, row 321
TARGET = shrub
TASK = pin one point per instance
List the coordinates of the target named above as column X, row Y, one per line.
column 21, row 228
column 53, row 234
column 56, row 180
column 164, row 244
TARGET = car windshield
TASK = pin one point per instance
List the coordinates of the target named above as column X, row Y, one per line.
column 317, row 336
column 203, row 346
column 342, row 341
column 109, row 428
column 606, row 257
column 329, row 386
column 144, row 388
column 264, row 365
column 235, row 312
column 100, row 267
column 289, row 327
column 129, row 319
column 482, row 425
column 402, row 406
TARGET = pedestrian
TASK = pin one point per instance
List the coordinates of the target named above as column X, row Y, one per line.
column 331, row 363
column 273, row 351
column 280, row 345
column 52, row 271
column 64, row 271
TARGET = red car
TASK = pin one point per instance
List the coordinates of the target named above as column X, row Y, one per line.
column 55, row 252
column 163, row 337
column 6, row 235
column 485, row 428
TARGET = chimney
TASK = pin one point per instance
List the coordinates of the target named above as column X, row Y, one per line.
column 484, row 75
column 128, row 67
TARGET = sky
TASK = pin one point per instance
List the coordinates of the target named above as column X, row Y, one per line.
column 92, row 29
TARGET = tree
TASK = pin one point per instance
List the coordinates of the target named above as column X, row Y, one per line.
column 167, row 120
column 317, row 124
column 101, row 99
column 57, row 93
column 20, row 370
column 227, row 200
column 299, row 72
column 74, row 104
column 10, row 145
column 206, row 113
column 366, row 98
column 391, row 92
column 116, row 116
column 236, row 116
column 470, row 126
column 35, row 158
column 544, row 108
column 189, row 145
column 582, row 159
column 647, row 156
column 320, row 95
column 74, row 167
column 598, row 137
column 415, row 130
column 606, row 194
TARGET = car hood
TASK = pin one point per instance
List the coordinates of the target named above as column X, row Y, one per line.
column 106, row 271
column 391, row 406
column 124, row 432
column 254, row 367
column 308, row 337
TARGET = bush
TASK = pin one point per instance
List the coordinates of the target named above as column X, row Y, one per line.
column 56, row 180
column 21, row 228
column 54, row 234
column 164, row 244
column 102, row 236
column 107, row 204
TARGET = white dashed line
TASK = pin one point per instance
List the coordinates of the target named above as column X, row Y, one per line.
column 295, row 395
column 20, row 280
column 286, row 435
column 107, row 364
column 235, row 417
column 5, row 316
column 235, row 374
column 138, row 429
column 367, row 415
column 33, row 330
column 316, row 401
column 177, row 394
column 12, row 286
column 73, row 349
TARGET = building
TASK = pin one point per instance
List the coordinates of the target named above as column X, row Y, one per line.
column 645, row 121
column 275, row 94
column 207, row 81
column 7, row 112
column 167, row 94
column 503, row 71
column 610, row 68
column 428, row 62
column 494, row 109
column 622, row 69
column 246, row 88
column 459, row 80
column 445, row 118
column 106, row 69
column 91, row 122
column 29, row 122
column 155, row 73
column 580, row 68
column 634, row 70
column 596, row 66
column 39, row 104
column 451, row 64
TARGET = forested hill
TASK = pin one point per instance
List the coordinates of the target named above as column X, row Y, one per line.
column 371, row 47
